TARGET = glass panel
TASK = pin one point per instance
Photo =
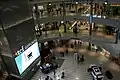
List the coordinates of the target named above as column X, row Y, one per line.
column 4, row 46
column 14, row 10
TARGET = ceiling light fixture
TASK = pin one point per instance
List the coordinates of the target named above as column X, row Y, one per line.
column 106, row 2
column 76, row 2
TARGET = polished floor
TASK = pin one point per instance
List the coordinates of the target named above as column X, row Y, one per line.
column 75, row 71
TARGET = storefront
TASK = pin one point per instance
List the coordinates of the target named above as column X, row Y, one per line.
column 105, row 53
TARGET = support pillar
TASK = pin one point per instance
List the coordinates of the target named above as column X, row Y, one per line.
column 76, row 7
column 91, row 18
column 65, row 27
column 117, row 36
column 64, row 17
column 90, row 21
column 37, row 18
column 95, row 8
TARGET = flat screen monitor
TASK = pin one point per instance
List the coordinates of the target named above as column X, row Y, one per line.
column 26, row 58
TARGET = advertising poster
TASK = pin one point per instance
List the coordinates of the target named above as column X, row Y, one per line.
column 25, row 59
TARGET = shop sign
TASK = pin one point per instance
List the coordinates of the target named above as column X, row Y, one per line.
column 115, row 4
column 23, row 48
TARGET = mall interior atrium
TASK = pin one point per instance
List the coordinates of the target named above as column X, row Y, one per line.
column 59, row 39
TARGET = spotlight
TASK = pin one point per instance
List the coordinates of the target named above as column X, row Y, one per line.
column 106, row 2
column 42, row 24
column 76, row 2
column 77, row 78
column 33, row 7
column 40, row 28
column 62, row 22
column 50, row 4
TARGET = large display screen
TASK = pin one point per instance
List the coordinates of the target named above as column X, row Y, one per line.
column 27, row 57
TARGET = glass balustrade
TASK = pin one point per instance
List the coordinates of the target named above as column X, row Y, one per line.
column 81, row 9
column 99, row 10
column 82, row 30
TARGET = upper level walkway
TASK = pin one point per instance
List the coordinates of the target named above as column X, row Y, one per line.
column 9, row 21
column 109, row 22
column 105, row 41
column 10, row 14
column 97, row 1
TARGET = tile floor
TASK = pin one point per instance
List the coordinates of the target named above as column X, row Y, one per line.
column 74, row 70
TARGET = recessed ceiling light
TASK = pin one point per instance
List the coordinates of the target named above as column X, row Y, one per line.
column 76, row 2
column 77, row 78
column 106, row 2
column 50, row 4
column 62, row 22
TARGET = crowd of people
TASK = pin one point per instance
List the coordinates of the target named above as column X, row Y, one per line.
column 77, row 57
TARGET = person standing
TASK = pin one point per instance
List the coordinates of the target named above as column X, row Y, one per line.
column 95, row 48
column 54, row 72
column 63, row 74
column 58, row 77
column 67, row 51
column 78, row 58
column 71, row 45
column 82, row 58
column 108, row 74
column 60, row 11
column 47, row 78
column 75, row 30
column 59, row 34
column 80, row 43
column 75, row 43
column 75, row 55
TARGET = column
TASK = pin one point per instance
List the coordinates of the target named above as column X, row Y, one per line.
column 90, row 22
column 42, row 53
column 91, row 18
column 94, row 27
column 117, row 36
column 95, row 8
column 76, row 7
column 64, row 17
column 3, row 33
column 37, row 15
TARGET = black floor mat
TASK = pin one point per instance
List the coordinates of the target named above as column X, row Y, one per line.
column 59, row 61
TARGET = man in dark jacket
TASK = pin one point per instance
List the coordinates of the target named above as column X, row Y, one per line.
column 108, row 74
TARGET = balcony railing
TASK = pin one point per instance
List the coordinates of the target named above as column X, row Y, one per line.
column 98, row 35
column 99, row 11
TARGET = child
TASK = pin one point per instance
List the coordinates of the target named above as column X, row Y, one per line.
column 63, row 74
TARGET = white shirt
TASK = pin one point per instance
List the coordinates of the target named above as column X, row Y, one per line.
column 58, row 77
column 75, row 54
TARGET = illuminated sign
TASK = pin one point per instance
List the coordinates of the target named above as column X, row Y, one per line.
column 115, row 4
column 17, row 52
column 23, row 48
